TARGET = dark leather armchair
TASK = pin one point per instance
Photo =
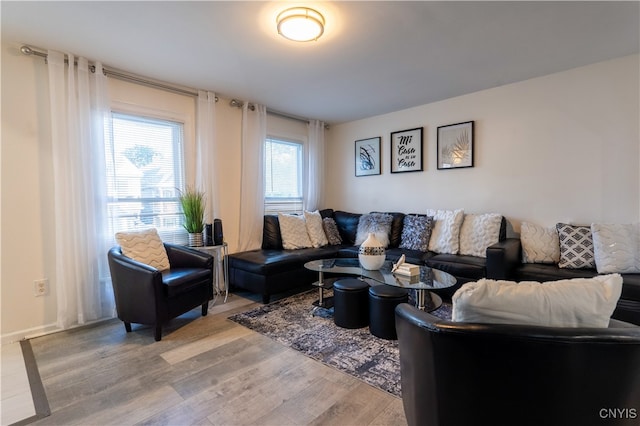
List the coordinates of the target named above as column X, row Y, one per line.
column 482, row 374
column 144, row 295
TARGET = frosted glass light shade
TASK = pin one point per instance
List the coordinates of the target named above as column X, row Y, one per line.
column 300, row 24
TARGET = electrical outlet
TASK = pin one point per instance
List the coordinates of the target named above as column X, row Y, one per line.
column 41, row 287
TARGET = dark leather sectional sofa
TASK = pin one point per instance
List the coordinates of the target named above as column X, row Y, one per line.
column 272, row 269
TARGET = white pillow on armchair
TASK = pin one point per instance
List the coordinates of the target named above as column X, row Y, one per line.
column 578, row 302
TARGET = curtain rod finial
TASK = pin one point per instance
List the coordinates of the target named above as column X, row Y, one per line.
column 26, row 50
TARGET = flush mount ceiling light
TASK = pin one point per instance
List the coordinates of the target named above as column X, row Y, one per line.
column 300, row 24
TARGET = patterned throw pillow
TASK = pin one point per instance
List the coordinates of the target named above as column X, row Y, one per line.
column 416, row 231
column 445, row 236
column 377, row 223
column 144, row 246
column 315, row 229
column 576, row 246
column 479, row 231
column 616, row 248
column 294, row 231
column 331, row 231
column 539, row 244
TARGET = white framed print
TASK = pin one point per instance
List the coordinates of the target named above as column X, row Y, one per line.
column 406, row 151
column 367, row 157
column 455, row 146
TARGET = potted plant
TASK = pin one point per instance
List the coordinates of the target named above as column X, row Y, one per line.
column 192, row 202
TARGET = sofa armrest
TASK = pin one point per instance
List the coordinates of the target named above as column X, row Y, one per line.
column 183, row 257
column 503, row 258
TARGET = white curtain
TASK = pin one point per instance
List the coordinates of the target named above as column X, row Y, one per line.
column 315, row 165
column 79, row 108
column 254, row 133
column 206, row 158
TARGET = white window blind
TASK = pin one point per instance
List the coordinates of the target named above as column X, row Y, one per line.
column 283, row 166
column 145, row 175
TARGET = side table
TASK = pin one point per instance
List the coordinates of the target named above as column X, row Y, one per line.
column 221, row 269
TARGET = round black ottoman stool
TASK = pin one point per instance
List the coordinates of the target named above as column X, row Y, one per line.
column 383, row 300
column 350, row 303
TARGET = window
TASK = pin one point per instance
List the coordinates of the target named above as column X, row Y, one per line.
column 144, row 175
column 283, row 176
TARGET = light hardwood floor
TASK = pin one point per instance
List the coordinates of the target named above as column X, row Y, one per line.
column 205, row 371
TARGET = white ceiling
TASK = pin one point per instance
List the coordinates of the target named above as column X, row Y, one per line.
column 374, row 58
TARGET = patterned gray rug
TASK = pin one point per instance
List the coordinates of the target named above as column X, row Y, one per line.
column 356, row 352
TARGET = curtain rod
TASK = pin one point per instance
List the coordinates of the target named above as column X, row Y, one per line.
column 123, row 75
column 126, row 76
column 239, row 104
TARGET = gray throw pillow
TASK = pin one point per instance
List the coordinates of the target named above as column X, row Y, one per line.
column 331, row 231
column 416, row 232
column 378, row 224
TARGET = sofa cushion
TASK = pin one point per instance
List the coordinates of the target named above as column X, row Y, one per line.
column 331, row 231
column 576, row 246
column 270, row 262
column 580, row 302
column 378, row 224
column 182, row 280
column 315, row 229
column 549, row 272
column 445, row 236
column 616, row 247
column 479, row 231
column 294, row 233
column 416, row 232
column 539, row 244
column 144, row 246
column 347, row 225
column 271, row 237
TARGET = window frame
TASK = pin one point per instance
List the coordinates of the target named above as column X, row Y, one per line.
column 178, row 234
column 274, row 205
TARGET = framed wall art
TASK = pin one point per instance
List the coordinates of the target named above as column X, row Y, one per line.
column 455, row 146
column 367, row 157
column 406, row 151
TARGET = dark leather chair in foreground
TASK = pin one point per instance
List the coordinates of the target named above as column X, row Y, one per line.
column 145, row 295
column 483, row 374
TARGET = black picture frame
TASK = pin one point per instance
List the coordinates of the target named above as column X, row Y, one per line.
column 367, row 157
column 406, row 151
column 455, row 146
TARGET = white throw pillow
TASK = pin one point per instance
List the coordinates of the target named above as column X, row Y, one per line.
column 294, row 231
column 616, row 248
column 578, row 302
column 479, row 231
column 315, row 229
column 445, row 235
column 144, row 246
column 539, row 244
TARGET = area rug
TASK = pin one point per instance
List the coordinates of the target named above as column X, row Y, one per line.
column 294, row 323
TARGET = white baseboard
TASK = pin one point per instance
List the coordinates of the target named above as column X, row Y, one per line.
column 31, row 333
column 28, row 333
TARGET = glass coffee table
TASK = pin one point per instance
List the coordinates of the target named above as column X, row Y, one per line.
column 428, row 279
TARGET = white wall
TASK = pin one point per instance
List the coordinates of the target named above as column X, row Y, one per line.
column 564, row 147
